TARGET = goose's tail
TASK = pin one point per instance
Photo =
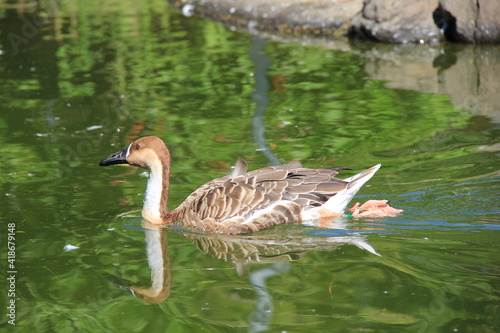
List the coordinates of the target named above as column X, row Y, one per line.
column 339, row 201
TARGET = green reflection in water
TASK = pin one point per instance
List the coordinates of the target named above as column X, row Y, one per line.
column 96, row 75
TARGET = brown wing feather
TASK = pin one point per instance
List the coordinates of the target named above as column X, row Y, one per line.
column 236, row 197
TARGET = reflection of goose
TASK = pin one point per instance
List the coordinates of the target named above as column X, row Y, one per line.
column 241, row 202
column 241, row 250
column 159, row 264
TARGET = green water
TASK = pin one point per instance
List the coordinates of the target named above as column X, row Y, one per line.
column 81, row 79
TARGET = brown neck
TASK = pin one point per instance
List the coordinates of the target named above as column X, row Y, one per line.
column 164, row 213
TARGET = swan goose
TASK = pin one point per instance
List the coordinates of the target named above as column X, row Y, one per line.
column 245, row 202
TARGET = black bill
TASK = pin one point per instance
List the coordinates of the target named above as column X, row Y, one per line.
column 119, row 157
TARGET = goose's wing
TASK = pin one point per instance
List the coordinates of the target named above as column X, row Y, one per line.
column 243, row 195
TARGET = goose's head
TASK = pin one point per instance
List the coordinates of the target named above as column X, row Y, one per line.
column 145, row 152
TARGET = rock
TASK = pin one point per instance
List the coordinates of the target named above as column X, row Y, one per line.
column 291, row 17
column 458, row 19
column 430, row 21
column 470, row 21
column 488, row 22
column 387, row 21
column 397, row 21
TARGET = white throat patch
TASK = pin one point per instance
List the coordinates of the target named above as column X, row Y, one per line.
column 128, row 150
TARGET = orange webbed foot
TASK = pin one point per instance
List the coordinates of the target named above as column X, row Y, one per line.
column 373, row 208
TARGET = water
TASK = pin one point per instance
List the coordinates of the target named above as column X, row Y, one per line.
column 93, row 76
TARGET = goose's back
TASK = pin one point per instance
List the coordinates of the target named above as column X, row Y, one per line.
column 279, row 192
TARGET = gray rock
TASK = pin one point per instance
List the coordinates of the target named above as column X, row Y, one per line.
column 397, row 21
column 387, row 21
column 488, row 22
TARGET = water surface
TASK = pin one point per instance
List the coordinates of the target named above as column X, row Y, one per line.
column 90, row 77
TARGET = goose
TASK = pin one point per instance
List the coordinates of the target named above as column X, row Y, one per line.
column 245, row 202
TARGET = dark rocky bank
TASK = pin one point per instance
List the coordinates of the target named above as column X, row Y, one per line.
column 387, row 21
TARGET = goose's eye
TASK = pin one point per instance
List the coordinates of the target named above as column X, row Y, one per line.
column 137, row 146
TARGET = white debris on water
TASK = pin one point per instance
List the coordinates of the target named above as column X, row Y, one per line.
column 69, row 247
column 188, row 10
